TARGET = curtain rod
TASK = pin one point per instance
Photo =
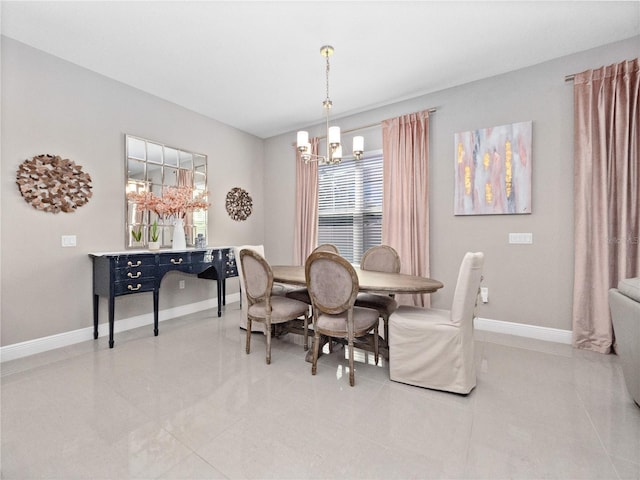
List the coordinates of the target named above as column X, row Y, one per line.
column 371, row 125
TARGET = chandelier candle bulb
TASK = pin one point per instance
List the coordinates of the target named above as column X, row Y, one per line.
column 303, row 138
column 334, row 136
column 337, row 154
column 358, row 145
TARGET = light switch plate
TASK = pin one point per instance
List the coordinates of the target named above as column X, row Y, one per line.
column 521, row 238
column 68, row 240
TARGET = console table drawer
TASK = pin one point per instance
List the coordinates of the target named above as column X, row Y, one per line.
column 129, row 261
column 231, row 270
column 134, row 273
column 180, row 262
column 134, row 286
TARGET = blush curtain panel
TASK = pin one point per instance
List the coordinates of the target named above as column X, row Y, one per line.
column 305, row 232
column 405, row 206
column 606, row 196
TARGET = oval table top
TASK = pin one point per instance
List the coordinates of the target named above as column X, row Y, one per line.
column 369, row 281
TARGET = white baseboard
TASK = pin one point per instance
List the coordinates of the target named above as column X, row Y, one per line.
column 523, row 330
column 39, row 345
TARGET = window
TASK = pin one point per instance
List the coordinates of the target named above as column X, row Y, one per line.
column 350, row 205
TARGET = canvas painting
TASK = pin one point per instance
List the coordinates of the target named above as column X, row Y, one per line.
column 493, row 170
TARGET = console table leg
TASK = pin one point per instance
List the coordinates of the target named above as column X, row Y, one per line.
column 96, row 303
column 224, row 291
column 219, row 285
column 156, row 296
column 111, row 319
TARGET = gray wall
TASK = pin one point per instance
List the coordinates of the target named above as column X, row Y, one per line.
column 529, row 284
column 52, row 106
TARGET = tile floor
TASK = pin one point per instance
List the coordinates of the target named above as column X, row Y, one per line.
column 190, row 404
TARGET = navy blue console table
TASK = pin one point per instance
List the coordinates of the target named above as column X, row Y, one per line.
column 125, row 273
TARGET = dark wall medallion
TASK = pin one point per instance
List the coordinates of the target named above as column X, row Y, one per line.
column 239, row 204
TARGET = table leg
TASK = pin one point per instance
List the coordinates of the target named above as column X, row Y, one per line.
column 219, row 285
column 111, row 319
column 156, row 296
column 96, row 303
column 224, row 290
column 323, row 341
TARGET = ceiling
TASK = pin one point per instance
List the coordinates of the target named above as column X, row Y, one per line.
column 257, row 65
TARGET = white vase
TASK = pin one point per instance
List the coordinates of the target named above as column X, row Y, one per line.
column 179, row 238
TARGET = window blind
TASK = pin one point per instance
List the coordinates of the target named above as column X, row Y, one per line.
column 350, row 205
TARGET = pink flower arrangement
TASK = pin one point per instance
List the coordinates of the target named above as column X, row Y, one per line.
column 174, row 202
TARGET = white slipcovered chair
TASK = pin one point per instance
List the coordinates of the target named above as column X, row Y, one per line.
column 433, row 348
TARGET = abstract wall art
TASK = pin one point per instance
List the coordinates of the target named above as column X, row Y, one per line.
column 493, row 170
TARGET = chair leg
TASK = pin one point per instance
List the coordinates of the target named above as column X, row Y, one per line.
column 268, row 334
column 316, row 343
column 375, row 343
column 248, row 346
column 352, row 379
column 385, row 318
column 306, row 331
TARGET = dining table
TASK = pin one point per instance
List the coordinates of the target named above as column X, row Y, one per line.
column 369, row 281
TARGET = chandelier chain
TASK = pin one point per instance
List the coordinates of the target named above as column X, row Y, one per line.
column 328, row 101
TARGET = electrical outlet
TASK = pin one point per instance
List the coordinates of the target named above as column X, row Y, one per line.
column 181, row 284
column 484, row 294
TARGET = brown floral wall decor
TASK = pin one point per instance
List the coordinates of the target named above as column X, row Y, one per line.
column 239, row 204
column 53, row 184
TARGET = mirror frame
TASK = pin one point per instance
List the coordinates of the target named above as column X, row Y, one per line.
column 153, row 166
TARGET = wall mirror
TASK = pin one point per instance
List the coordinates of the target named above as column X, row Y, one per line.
column 152, row 167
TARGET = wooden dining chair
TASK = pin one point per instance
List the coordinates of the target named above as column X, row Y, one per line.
column 262, row 305
column 302, row 294
column 381, row 258
column 278, row 289
column 333, row 286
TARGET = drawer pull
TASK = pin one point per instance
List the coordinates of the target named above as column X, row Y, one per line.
column 131, row 275
column 138, row 263
column 176, row 262
column 133, row 289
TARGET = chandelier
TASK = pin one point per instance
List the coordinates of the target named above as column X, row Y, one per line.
column 334, row 147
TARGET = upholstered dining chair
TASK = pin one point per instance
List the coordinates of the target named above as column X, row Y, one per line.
column 381, row 258
column 302, row 294
column 433, row 348
column 333, row 286
column 278, row 289
column 262, row 305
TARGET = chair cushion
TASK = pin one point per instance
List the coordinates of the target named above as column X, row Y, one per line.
column 280, row 289
column 283, row 309
column 364, row 319
column 630, row 287
column 301, row 294
column 383, row 303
